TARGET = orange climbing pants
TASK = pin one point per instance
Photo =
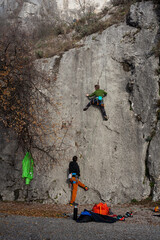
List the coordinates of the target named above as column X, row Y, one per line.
column 75, row 183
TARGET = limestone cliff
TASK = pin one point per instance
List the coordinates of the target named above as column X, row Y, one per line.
column 32, row 12
column 119, row 159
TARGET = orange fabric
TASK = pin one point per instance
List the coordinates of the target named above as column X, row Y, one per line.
column 101, row 208
column 75, row 187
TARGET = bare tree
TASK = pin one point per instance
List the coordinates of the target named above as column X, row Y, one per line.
column 19, row 96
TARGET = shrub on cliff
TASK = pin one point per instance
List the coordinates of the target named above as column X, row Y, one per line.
column 19, row 96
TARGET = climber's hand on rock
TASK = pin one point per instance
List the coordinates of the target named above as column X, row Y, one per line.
column 87, row 95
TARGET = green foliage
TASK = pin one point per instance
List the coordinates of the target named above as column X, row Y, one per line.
column 89, row 28
column 147, row 201
column 134, row 200
column 151, row 184
column 39, row 54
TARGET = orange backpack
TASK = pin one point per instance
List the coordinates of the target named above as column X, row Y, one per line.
column 101, row 208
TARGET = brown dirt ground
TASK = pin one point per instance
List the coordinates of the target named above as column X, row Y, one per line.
column 142, row 211
column 38, row 209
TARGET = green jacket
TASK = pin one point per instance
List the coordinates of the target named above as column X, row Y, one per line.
column 27, row 168
column 98, row 93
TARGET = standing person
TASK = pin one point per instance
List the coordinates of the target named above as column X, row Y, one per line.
column 74, row 173
column 97, row 99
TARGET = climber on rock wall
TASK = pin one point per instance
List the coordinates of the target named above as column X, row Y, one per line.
column 97, row 100
column 74, row 174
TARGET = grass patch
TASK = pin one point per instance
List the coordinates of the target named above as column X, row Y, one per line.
column 134, row 201
column 151, row 184
column 146, row 202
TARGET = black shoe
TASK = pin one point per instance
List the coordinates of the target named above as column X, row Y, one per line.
column 128, row 214
column 73, row 204
column 86, row 188
column 85, row 109
column 105, row 118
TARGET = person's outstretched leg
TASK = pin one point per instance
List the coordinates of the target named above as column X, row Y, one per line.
column 82, row 185
column 88, row 105
column 92, row 102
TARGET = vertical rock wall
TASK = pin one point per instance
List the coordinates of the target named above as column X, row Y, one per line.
column 112, row 155
column 117, row 160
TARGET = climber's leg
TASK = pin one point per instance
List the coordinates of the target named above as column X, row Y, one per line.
column 103, row 113
column 74, row 189
column 81, row 184
column 88, row 105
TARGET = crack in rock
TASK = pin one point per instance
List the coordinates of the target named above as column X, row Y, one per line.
column 98, row 193
column 111, row 129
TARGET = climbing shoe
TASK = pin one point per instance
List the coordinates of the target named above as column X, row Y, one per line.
column 86, row 188
column 73, row 204
column 105, row 118
column 85, row 109
column 128, row 214
column 120, row 218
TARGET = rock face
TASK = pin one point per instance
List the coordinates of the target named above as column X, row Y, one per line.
column 118, row 158
column 32, row 12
